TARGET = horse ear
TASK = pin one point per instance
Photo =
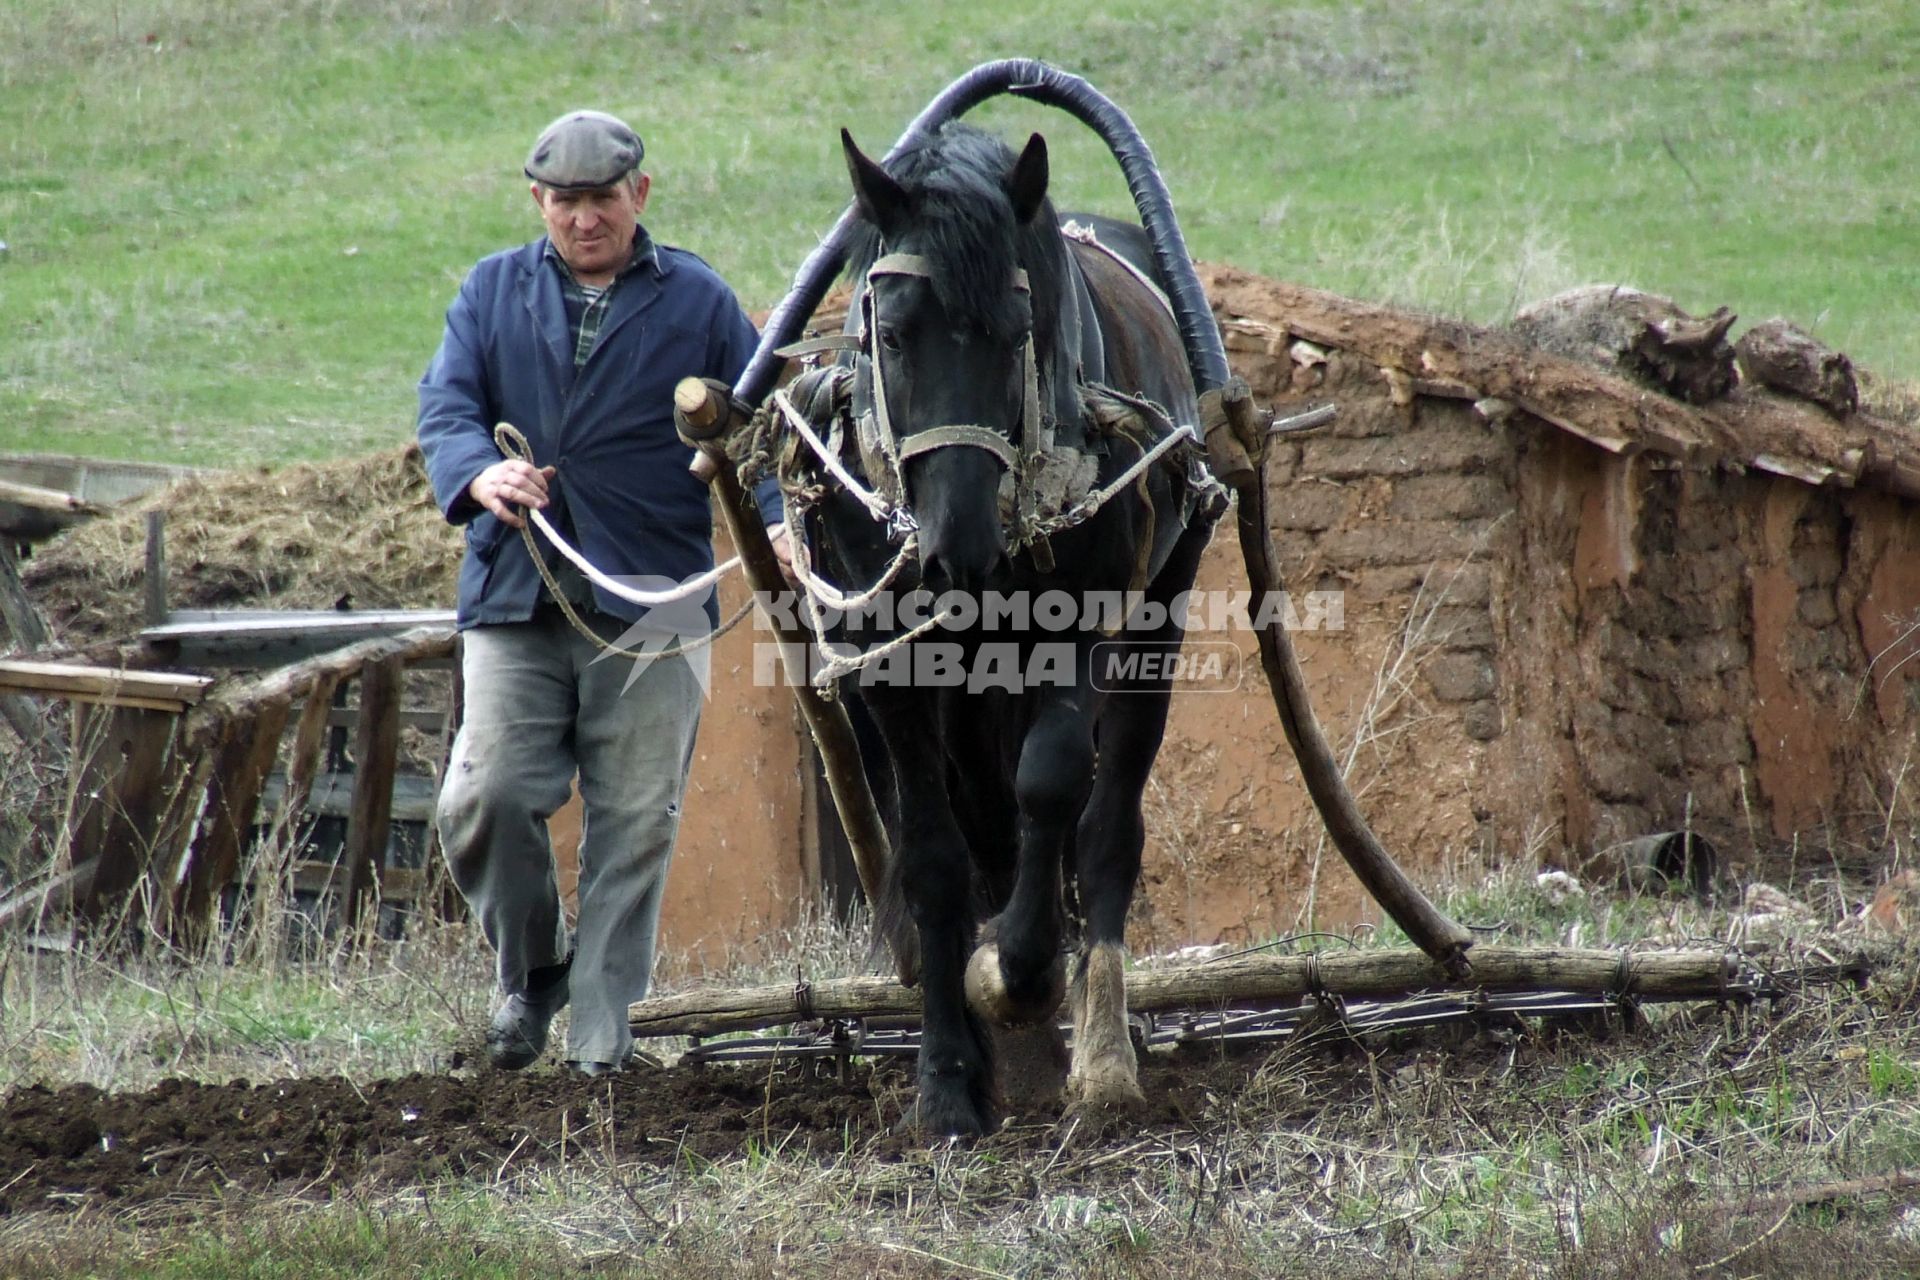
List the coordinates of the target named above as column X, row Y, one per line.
column 881, row 200
column 1027, row 184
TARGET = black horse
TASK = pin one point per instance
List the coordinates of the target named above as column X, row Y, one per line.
column 1013, row 788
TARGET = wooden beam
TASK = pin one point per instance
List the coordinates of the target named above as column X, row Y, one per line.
column 375, row 752
column 240, row 698
column 43, row 499
column 111, row 686
column 241, row 759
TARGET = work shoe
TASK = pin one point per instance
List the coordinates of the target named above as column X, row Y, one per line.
column 635, row 1058
column 518, row 1035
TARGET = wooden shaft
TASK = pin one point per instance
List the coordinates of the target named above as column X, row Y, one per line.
column 1246, row 982
column 826, row 720
column 1443, row 939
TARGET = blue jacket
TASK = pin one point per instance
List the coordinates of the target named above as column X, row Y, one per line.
column 622, row 484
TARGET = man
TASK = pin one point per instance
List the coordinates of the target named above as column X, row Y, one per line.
column 577, row 339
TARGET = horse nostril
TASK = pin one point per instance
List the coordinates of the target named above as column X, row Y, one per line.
column 933, row 573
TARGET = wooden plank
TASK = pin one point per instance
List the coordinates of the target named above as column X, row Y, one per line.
column 376, row 750
column 113, row 686
column 241, row 759
column 284, row 638
column 116, row 799
column 424, row 719
column 397, row 884
column 330, row 795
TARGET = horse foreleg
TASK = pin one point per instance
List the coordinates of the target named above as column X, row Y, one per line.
column 1017, row 975
column 930, row 875
column 1103, row 1073
column 1108, row 843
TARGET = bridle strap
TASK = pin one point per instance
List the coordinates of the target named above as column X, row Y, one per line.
column 912, row 264
column 974, row 437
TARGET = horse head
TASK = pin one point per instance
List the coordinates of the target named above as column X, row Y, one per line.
column 954, row 293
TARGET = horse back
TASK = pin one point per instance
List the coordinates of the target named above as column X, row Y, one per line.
column 1141, row 341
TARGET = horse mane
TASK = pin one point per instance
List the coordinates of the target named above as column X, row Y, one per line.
column 956, row 178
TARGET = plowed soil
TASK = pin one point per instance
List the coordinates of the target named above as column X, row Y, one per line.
column 78, row 1147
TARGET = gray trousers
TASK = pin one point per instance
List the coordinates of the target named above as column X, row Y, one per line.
column 539, row 709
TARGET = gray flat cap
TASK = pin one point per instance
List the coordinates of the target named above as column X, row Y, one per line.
column 583, row 150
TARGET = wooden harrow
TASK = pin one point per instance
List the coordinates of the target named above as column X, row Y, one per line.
column 1254, row 997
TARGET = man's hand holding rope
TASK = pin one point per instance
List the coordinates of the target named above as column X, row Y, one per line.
column 508, row 485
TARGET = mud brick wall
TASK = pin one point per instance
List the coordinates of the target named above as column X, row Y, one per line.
column 1722, row 632
column 1549, row 650
column 1400, row 507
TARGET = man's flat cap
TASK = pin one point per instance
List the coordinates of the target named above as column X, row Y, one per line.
column 583, row 150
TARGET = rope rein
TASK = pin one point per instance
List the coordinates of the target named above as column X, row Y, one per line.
column 512, row 443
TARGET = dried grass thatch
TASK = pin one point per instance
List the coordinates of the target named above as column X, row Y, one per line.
column 358, row 532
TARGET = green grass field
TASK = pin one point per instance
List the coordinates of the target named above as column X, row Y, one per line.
column 232, row 225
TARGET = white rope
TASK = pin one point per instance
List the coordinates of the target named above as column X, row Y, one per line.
column 513, row 443
column 876, row 506
column 814, row 590
column 691, row 587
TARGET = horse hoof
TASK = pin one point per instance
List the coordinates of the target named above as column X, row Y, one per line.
column 1114, row 1095
column 935, row 1121
column 989, row 995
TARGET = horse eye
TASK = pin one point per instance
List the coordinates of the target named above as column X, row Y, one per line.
column 889, row 338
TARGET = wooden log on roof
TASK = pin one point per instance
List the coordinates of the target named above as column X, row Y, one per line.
column 1794, row 436
column 1259, row 980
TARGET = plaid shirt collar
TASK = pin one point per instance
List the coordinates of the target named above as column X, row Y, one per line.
column 586, row 304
